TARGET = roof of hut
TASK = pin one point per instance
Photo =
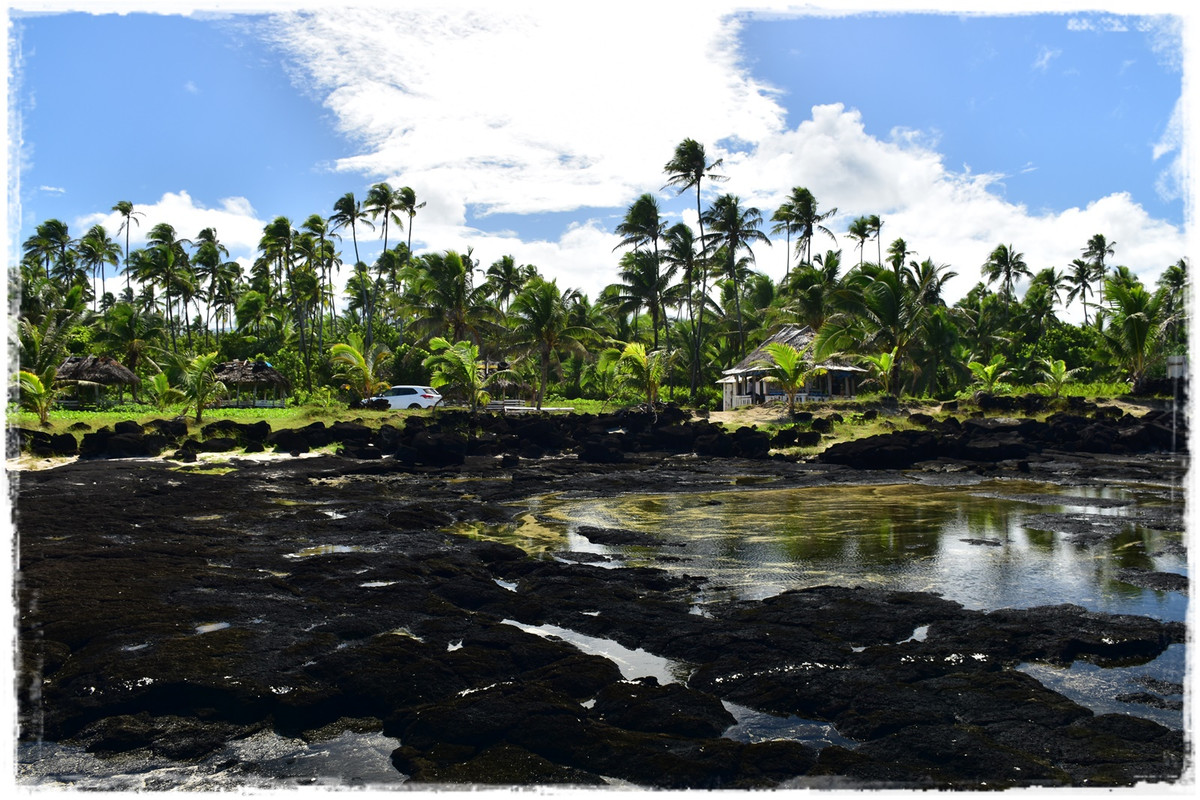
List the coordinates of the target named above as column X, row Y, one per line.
column 799, row 337
column 95, row 369
column 250, row 373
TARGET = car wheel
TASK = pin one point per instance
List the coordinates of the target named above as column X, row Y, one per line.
column 414, row 405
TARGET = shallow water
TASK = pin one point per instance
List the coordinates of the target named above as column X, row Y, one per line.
column 971, row 544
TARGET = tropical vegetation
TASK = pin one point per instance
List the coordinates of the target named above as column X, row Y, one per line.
column 684, row 304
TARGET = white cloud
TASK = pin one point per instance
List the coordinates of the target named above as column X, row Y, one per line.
column 516, row 111
column 237, row 225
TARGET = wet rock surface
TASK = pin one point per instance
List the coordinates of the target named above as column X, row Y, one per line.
column 170, row 611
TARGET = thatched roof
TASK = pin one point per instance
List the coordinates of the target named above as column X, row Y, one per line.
column 799, row 337
column 250, row 373
column 95, row 369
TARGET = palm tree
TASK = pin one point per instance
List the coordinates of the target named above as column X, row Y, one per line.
column 382, row 201
column 505, row 279
column 681, row 254
column 860, row 231
column 735, row 229
column 687, row 169
column 785, row 223
column 875, row 224
column 1055, row 375
column 409, row 205
column 200, row 386
column 446, row 302
column 809, row 291
column 541, row 325
column 1006, row 265
column 49, row 245
column 37, row 393
column 360, row 366
column 1134, row 336
column 643, row 285
column 458, row 365
column 642, row 370
column 1098, row 248
column 95, row 250
column 789, row 369
column 128, row 218
column 989, row 374
column 1080, row 280
column 808, row 220
column 1175, row 289
column 349, row 212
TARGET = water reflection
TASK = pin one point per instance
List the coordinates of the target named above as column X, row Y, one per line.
column 971, row 544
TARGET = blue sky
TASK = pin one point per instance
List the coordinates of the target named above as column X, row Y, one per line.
column 529, row 128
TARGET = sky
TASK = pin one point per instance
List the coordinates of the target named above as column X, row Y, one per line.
column 528, row 128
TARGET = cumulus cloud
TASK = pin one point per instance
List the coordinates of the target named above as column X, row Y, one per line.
column 521, row 109
column 235, row 221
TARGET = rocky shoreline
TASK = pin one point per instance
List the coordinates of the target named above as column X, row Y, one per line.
column 168, row 608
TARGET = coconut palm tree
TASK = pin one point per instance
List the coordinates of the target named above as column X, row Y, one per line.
column 734, row 229
column 200, row 387
column 444, row 299
column 1006, row 265
column 860, row 231
column 37, row 393
column 95, row 250
column 458, row 365
column 1080, row 279
column 642, row 370
column 409, row 205
column 686, row 170
column 808, row 220
column 540, row 317
column 785, row 223
column 505, row 279
column 128, row 220
column 1098, row 248
column 876, row 226
column 1133, row 337
column 361, row 367
column 789, row 368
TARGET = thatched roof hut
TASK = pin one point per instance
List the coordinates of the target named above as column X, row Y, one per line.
column 251, row 374
column 265, row 385
column 95, row 369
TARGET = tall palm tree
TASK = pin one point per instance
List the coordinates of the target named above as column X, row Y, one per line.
column 1080, row 279
column 808, row 220
column 505, row 279
column 350, row 212
column 541, row 325
column 50, row 245
column 809, row 291
column 1098, row 248
column 1006, row 265
column 875, row 224
column 445, row 300
column 128, row 219
column 208, row 259
column 686, row 170
column 681, row 254
column 324, row 257
column 785, row 223
column 860, row 231
column 644, row 284
column 409, row 205
column 382, row 201
column 734, row 229
column 95, row 250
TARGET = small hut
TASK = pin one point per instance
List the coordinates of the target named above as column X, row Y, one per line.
column 264, row 385
column 94, row 371
column 746, row 383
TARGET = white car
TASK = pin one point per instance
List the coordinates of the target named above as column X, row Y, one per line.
column 410, row 397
